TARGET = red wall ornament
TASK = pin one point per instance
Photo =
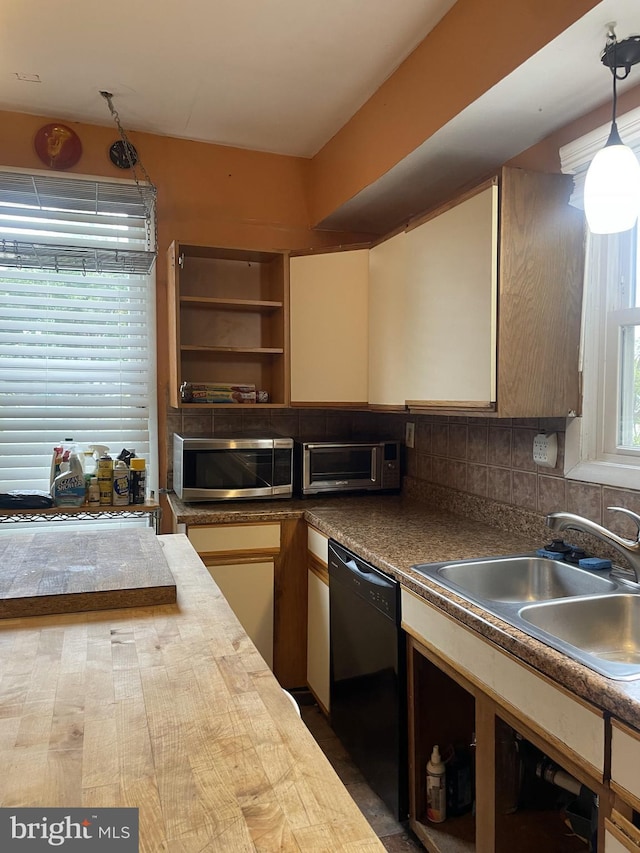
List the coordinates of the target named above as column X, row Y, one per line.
column 58, row 146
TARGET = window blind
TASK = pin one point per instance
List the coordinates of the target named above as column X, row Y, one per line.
column 576, row 156
column 77, row 349
column 74, row 363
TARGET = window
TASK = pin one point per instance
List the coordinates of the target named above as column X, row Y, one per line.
column 77, row 322
column 603, row 445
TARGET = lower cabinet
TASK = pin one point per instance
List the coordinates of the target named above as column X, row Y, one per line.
column 318, row 617
column 258, row 569
column 622, row 828
column 528, row 757
column 254, row 609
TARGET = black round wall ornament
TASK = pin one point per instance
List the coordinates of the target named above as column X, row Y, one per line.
column 118, row 154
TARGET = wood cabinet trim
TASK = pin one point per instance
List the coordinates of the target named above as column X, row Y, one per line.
column 318, row 568
column 620, row 835
column 217, row 558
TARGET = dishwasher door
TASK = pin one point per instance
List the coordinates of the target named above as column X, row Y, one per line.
column 368, row 674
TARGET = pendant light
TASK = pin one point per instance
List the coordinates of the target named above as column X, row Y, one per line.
column 612, row 184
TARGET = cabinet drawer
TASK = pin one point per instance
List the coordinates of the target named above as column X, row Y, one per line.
column 318, row 544
column 226, row 538
column 527, row 695
column 625, row 760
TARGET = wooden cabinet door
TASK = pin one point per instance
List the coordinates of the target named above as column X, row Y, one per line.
column 387, row 320
column 329, row 327
column 451, row 288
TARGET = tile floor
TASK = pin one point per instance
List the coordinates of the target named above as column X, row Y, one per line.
column 396, row 837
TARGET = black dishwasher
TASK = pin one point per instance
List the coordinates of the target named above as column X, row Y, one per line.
column 368, row 674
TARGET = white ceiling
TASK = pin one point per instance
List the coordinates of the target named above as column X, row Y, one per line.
column 270, row 75
column 285, row 75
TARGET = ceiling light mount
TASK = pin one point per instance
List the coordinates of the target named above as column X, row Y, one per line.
column 621, row 54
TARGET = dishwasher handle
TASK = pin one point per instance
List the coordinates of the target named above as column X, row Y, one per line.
column 371, row 576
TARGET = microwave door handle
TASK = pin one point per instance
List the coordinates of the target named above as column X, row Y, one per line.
column 374, row 464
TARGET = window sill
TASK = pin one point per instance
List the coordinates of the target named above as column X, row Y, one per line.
column 606, row 473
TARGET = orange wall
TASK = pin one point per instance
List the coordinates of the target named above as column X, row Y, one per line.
column 207, row 194
column 475, row 45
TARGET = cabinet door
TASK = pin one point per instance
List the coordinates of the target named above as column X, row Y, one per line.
column 248, row 587
column 387, row 320
column 318, row 616
column 318, row 639
column 451, row 286
column 328, row 305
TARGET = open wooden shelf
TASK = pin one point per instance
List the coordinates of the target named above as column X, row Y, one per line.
column 229, row 318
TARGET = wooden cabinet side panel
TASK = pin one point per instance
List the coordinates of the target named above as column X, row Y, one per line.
column 329, row 327
column 173, row 314
column 540, row 298
column 290, row 626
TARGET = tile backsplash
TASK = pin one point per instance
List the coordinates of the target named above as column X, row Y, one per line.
column 488, row 458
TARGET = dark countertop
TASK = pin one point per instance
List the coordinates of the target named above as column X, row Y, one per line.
column 394, row 533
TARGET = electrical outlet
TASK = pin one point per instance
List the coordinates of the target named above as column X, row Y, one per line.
column 410, row 434
column 545, row 450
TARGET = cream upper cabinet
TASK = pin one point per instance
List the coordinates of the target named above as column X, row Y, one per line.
column 329, row 327
column 451, row 279
column 495, row 289
column 388, row 311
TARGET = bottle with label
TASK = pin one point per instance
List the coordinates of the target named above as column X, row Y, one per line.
column 94, row 492
column 69, row 487
column 120, row 483
column 436, row 788
column 105, row 478
column 137, row 481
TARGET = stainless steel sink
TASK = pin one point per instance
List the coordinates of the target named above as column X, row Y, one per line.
column 588, row 616
column 522, row 579
column 603, row 627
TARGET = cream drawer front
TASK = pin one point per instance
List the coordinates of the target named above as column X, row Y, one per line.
column 531, row 696
column 235, row 537
column 625, row 758
column 318, row 544
column 248, row 589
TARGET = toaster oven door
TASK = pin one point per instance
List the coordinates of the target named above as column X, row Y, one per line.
column 341, row 467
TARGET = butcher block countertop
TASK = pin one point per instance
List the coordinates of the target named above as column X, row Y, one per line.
column 70, row 571
column 172, row 710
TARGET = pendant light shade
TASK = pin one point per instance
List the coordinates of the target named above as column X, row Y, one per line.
column 612, row 190
column 612, row 184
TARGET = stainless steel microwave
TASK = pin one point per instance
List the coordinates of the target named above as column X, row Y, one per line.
column 347, row 466
column 216, row 469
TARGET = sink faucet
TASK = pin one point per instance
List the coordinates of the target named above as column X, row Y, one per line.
column 629, row 548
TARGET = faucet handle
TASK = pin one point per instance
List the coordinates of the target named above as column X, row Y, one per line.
column 632, row 515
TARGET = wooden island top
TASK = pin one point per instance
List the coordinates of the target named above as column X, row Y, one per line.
column 169, row 709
